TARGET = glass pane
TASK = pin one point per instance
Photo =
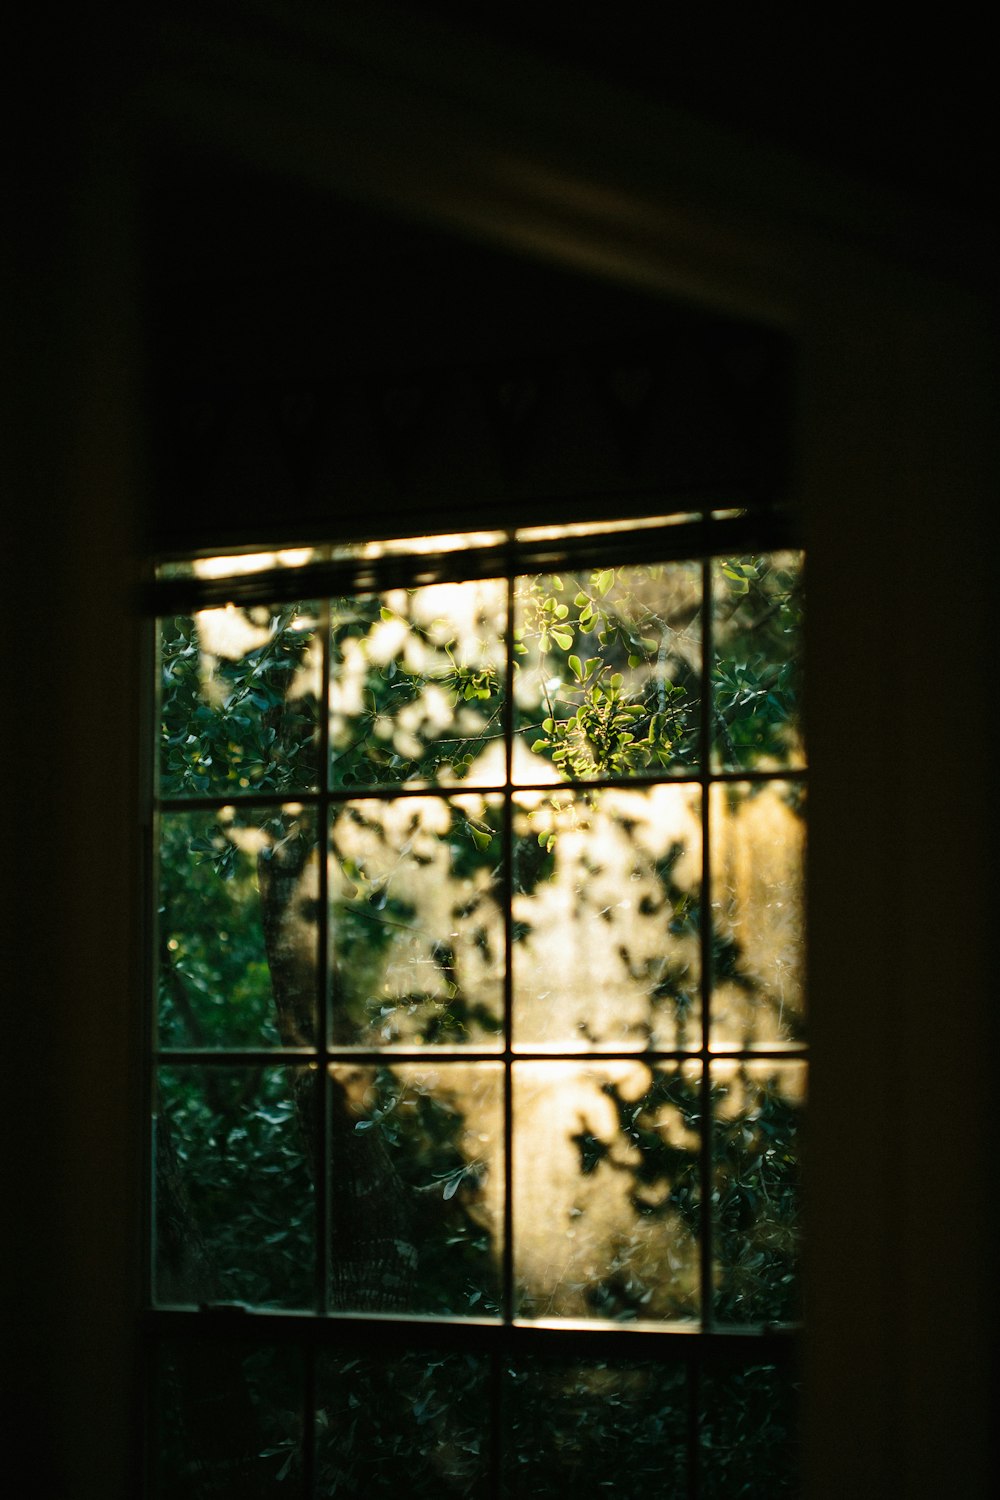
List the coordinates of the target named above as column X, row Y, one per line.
column 608, row 672
column 605, row 1428
column 239, row 694
column 417, row 686
column 238, row 563
column 417, row 931
column 416, row 1188
column 757, row 669
column 235, row 1218
column 418, row 546
column 606, row 909
column 747, row 1428
column 414, row 1425
column 238, row 928
column 227, row 1420
column 606, row 1190
column 602, row 528
column 756, row 1141
column 758, row 913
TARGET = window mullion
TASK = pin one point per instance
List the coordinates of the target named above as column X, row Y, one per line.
column 324, row 998
column 705, row 936
column 507, row 1301
column 310, row 1398
column 693, row 1387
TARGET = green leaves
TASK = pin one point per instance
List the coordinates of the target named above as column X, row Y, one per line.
column 418, row 683
column 378, row 1115
column 481, row 834
column 757, row 670
column 229, row 722
column 616, row 711
column 740, row 575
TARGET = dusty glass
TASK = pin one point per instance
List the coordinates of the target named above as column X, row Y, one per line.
column 607, row 681
column 606, row 907
column 606, row 1195
column 417, row 686
column 416, row 1180
column 747, row 1421
column 416, row 922
column 758, row 913
column 227, row 1419
column 600, row 1428
column 757, row 662
column 239, row 694
column 414, row 1424
column 757, row 1112
column 238, row 932
column 234, row 1204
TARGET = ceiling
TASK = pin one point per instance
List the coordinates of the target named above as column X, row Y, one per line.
column 909, row 103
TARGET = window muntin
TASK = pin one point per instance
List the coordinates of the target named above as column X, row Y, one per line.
column 457, row 784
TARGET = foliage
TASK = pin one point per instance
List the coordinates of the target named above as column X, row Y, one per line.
column 244, row 721
column 414, row 1424
column 241, row 1160
column 418, row 692
column 610, row 659
column 214, row 980
column 417, row 925
column 757, row 670
column 756, row 1130
column 572, row 1426
column 747, row 1430
column 432, row 1123
column 623, row 708
column 755, row 1183
column 208, row 1451
column 418, row 1423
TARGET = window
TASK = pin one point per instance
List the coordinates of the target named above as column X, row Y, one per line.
column 479, row 1058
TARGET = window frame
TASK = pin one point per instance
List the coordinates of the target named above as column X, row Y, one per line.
column 700, row 1346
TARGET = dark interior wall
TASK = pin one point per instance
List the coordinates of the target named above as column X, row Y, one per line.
column 69, row 697
column 894, row 472
column 318, row 366
column 902, row 1227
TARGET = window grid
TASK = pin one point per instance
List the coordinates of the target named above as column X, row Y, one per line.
column 698, row 1343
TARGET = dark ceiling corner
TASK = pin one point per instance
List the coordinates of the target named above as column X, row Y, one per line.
column 908, row 103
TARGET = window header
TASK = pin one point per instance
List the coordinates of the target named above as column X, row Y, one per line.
column 285, row 574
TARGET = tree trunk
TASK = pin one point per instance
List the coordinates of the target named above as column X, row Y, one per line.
column 372, row 1254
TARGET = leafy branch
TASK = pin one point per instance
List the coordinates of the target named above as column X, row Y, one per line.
column 617, row 710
